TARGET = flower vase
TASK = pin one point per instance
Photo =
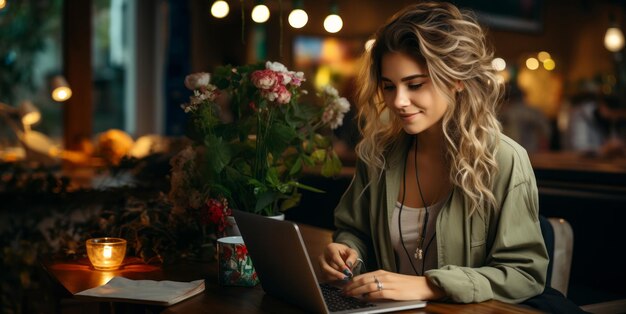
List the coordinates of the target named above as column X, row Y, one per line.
column 232, row 229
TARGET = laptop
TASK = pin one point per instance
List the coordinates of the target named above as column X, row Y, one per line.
column 283, row 266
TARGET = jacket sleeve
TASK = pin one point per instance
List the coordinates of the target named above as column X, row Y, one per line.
column 517, row 262
column 352, row 218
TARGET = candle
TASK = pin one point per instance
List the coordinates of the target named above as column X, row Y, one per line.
column 106, row 253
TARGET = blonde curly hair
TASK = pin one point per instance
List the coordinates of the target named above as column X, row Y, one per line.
column 453, row 47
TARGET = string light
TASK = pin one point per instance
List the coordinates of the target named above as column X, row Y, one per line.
column 298, row 18
column 543, row 56
column 260, row 13
column 219, row 9
column 498, row 64
column 614, row 39
column 333, row 22
column 532, row 63
column 549, row 64
column 3, row 4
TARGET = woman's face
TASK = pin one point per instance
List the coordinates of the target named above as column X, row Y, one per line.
column 410, row 94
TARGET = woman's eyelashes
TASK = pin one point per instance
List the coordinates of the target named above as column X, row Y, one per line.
column 411, row 86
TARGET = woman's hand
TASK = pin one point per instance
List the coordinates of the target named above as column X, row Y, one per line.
column 337, row 261
column 382, row 284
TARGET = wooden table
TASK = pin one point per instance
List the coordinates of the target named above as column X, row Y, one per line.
column 78, row 276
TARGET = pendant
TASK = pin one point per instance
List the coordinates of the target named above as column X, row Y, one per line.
column 419, row 254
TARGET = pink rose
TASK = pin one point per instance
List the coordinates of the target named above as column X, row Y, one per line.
column 297, row 78
column 283, row 95
column 264, row 79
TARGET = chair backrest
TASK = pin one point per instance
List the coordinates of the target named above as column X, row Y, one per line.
column 559, row 238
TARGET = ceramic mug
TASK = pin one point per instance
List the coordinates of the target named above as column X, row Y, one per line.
column 235, row 265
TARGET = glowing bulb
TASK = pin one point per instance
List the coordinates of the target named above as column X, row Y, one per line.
column 333, row 23
column 549, row 64
column 369, row 44
column 3, row 4
column 614, row 39
column 532, row 63
column 498, row 64
column 61, row 93
column 298, row 18
column 543, row 56
column 107, row 251
column 260, row 13
column 220, row 9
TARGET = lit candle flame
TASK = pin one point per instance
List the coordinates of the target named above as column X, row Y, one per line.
column 107, row 251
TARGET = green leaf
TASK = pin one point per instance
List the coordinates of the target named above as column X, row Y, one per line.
column 306, row 112
column 308, row 160
column 297, row 166
column 279, row 137
column 321, row 141
column 305, row 187
column 291, row 202
column 319, row 155
column 219, row 153
column 264, row 200
column 272, row 177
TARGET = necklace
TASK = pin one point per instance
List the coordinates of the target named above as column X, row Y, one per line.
column 419, row 252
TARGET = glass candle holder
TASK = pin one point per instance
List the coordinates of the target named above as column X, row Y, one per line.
column 106, row 253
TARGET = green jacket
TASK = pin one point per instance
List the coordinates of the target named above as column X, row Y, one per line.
column 496, row 253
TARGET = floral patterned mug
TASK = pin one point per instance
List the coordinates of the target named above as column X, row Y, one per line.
column 235, row 265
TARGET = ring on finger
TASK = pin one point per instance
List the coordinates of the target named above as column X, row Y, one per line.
column 379, row 285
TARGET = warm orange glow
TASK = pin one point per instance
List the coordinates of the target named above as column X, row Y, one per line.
column 3, row 3
column 106, row 253
column 61, row 91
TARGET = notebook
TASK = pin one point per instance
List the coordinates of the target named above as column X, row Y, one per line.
column 164, row 293
column 283, row 266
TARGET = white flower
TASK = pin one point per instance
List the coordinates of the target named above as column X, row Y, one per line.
column 331, row 91
column 342, row 105
column 276, row 67
column 286, row 78
column 197, row 80
column 335, row 111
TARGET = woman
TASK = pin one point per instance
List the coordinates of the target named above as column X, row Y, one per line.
column 442, row 204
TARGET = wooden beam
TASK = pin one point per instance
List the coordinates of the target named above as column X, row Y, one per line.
column 78, row 110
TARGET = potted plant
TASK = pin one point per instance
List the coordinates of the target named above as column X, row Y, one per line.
column 254, row 130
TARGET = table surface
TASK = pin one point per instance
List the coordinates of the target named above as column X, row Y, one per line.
column 77, row 276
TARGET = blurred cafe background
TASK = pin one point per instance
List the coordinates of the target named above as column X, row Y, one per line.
column 90, row 94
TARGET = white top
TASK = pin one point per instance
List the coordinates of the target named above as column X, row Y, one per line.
column 412, row 223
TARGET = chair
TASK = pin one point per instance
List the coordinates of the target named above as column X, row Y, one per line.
column 559, row 238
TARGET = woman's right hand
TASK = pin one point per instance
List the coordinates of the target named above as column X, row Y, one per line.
column 337, row 261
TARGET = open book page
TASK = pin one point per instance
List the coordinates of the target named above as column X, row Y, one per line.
column 143, row 291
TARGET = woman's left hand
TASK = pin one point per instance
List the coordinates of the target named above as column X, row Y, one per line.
column 382, row 284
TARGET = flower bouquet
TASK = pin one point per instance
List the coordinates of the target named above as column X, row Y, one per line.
column 254, row 130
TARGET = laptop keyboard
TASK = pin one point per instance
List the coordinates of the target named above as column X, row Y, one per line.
column 336, row 301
